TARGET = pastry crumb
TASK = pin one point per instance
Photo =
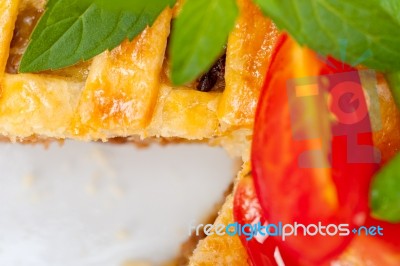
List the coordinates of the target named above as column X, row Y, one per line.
column 122, row 235
column 29, row 180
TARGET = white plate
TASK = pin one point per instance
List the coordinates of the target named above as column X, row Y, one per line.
column 99, row 204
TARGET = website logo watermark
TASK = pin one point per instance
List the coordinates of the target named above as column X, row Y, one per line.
column 260, row 232
column 344, row 104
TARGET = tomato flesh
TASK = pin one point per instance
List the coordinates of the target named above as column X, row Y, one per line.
column 363, row 250
column 368, row 250
column 303, row 155
column 262, row 250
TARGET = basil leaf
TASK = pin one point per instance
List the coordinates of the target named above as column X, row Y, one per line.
column 74, row 30
column 198, row 37
column 385, row 193
column 392, row 7
column 355, row 31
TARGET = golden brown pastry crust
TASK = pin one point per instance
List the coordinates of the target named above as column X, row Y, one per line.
column 126, row 94
column 222, row 250
column 250, row 45
column 8, row 16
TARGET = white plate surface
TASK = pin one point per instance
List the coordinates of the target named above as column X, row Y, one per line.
column 89, row 204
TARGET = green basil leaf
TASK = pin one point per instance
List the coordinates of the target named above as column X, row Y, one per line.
column 392, row 7
column 74, row 30
column 355, row 31
column 198, row 37
column 385, row 192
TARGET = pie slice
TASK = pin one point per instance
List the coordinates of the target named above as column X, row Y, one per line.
column 127, row 93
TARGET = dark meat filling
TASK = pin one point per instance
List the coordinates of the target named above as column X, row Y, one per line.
column 214, row 79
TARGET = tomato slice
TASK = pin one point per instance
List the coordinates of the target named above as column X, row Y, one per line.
column 391, row 232
column 247, row 210
column 262, row 250
column 312, row 153
column 373, row 250
column 265, row 251
column 368, row 250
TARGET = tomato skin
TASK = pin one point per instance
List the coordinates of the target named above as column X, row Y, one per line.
column 247, row 210
column 373, row 250
column 363, row 250
column 391, row 232
column 289, row 192
column 367, row 250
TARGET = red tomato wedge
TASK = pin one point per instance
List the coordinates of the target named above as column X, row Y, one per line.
column 265, row 251
column 312, row 154
column 391, row 232
column 247, row 210
column 262, row 250
column 368, row 250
